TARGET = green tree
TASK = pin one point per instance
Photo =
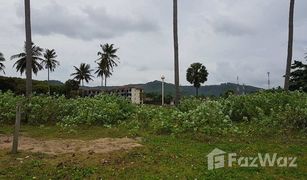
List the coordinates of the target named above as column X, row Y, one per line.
column 49, row 61
column 21, row 62
column 298, row 76
column 70, row 86
column 2, row 59
column 290, row 45
column 107, row 61
column 83, row 73
column 196, row 75
column 103, row 71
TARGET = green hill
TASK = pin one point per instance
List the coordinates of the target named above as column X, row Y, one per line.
column 208, row 90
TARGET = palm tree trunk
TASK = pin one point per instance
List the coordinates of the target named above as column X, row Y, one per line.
column 48, row 81
column 48, row 75
column 105, row 81
column 28, row 48
column 176, row 47
column 290, row 45
column 196, row 91
column 82, row 90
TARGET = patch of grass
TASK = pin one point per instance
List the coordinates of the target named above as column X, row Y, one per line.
column 54, row 132
column 161, row 157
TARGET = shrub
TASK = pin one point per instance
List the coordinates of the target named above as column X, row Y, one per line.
column 8, row 102
column 100, row 110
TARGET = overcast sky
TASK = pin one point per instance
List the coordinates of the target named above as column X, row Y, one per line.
column 230, row 37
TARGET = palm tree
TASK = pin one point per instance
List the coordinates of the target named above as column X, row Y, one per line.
column 107, row 61
column 290, row 45
column 196, row 75
column 28, row 59
column 2, row 59
column 103, row 70
column 49, row 61
column 176, row 50
column 21, row 63
column 83, row 73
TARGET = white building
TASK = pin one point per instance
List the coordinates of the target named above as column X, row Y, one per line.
column 134, row 94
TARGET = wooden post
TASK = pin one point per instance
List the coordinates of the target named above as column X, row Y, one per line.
column 16, row 129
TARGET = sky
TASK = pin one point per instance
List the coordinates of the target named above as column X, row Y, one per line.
column 231, row 38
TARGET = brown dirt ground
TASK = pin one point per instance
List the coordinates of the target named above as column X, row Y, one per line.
column 63, row 146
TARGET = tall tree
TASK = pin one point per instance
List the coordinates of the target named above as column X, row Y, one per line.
column 83, row 73
column 290, row 44
column 2, row 59
column 36, row 58
column 176, row 50
column 103, row 71
column 29, row 59
column 196, row 75
column 107, row 61
column 49, row 61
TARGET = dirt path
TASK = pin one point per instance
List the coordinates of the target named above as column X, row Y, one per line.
column 62, row 146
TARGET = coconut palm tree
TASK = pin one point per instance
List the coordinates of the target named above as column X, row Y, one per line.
column 49, row 61
column 107, row 60
column 176, row 50
column 103, row 71
column 2, row 59
column 83, row 73
column 21, row 63
column 28, row 64
column 290, row 45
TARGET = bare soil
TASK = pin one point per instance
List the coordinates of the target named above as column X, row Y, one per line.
column 64, row 146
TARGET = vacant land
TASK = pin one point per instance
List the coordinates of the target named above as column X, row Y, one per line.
column 106, row 137
column 151, row 157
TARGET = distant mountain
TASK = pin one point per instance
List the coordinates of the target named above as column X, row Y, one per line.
column 208, row 90
column 54, row 82
column 150, row 87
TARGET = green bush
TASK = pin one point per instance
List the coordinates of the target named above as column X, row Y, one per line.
column 8, row 102
column 267, row 110
column 256, row 106
column 207, row 117
column 100, row 110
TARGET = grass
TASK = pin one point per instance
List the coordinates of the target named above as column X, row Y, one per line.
column 161, row 157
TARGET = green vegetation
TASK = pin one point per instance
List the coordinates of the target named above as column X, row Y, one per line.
column 197, row 74
column 271, row 110
column 175, row 140
column 298, row 79
column 161, row 157
column 18, row 86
